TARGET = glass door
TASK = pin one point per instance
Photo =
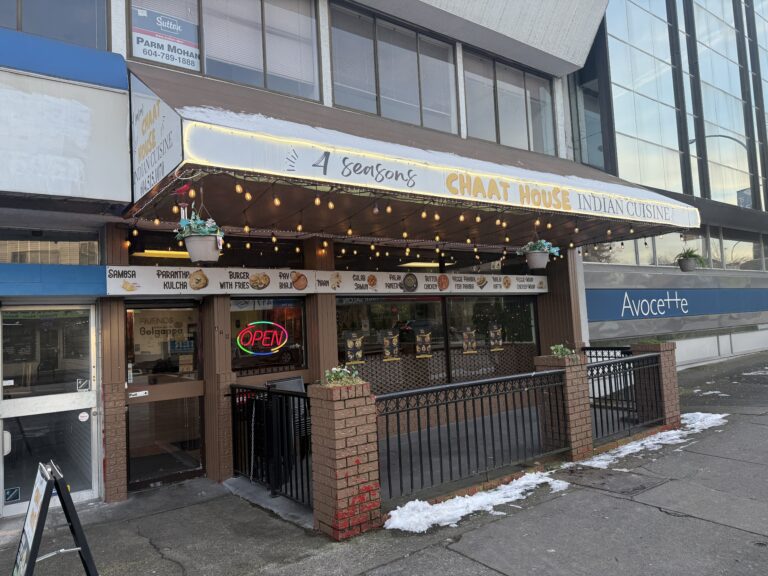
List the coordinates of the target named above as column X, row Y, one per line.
column 47, row 399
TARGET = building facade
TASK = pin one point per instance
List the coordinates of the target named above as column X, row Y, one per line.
column 672, row 97
column 374, row 167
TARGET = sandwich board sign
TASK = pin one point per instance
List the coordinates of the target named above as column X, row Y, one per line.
column 48, row 479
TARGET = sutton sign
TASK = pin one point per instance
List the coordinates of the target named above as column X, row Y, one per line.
column 262, row 338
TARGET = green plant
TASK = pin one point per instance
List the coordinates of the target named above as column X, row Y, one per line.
column 196, row 226
column 342, row 376
column 539, row 246
column 691, row 253
column 561, row 351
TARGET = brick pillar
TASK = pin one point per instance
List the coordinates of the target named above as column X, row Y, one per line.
column 670, row 394
column 578, row 416
column 345, row 460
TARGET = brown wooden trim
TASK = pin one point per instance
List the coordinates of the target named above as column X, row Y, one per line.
column 115, row 251
column 162, row 392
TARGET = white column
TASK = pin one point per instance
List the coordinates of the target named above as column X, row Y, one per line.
column 118, row 41
column 563, row 128
column 460, row 88
column 324, row 25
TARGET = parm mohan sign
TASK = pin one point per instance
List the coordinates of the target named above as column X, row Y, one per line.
column 423, row 172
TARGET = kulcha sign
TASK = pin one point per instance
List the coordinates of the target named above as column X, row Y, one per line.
column 155, row 136
column 270, row 146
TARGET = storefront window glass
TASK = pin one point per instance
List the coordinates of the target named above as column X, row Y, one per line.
column 645, row 251
column 354, row 68
column 540, row 114
column 398, row 73
column 394, row 343
column 490, row 336
column 292, row 60
column 8, row 14
column 715, row 248
column 81, row 22
column 612, row 253
column 166, row 32
column 39, row 247
column 741, row 250
column 513, row 129
column 478, row 85
column 233, row 42
column 268, row 335
column 162, row 345
column 668, row 246
column 438, row 85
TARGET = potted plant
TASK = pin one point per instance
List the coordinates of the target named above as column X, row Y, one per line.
column 537, row 253
column 203, row 238
column 342, row 376
column 689, row 260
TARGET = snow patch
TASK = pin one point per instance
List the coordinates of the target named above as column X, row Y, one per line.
column 715, row 393
column 419, row 516
column 693, row 423
column 756, row 373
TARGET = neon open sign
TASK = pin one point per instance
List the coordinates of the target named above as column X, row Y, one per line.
column 262, row 338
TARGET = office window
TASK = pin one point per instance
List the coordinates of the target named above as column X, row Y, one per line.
column 354, row 67
column 398, row 73
column 166, row 32
column 540, row 114
column 292, row 61
column 478, row 87
column 43, row 247
column 510, row 86
column 233, row 40
column 81, row 22
column 438, row 84
column 741, row 250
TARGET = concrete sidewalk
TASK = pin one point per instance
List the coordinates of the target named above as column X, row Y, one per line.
column 698, row 508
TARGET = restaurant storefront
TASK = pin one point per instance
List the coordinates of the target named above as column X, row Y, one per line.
column 338, row 248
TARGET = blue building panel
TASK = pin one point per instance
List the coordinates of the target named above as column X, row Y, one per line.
column 643, row 304
column 52, row 280
column 38, row 55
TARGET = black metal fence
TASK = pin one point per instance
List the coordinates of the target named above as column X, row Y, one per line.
column 600, row 353
column 432, row 436
column 625, row 394
column 272, row 440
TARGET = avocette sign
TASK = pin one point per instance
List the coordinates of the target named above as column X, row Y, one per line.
column 266, row 145
column 158, row 281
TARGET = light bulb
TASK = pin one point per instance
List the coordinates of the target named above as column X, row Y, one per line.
column 478, row 219
column 424, row 214
column 156, row 221
column 405, row 234
column 407, row 251
column 631, row 230
column 537, row 223
column 239, row 188
column 378, row 253
column 437, row 237
column 608, row 232
column 506, row 239
column 277, row 248
column 135, row 232
column 437, row 250
column 192, row 193
column 461, row 217
column 549, row 225
column 276, row 201
column 389, row 208
column 469, row 240
column 180, row 243
column 498, row 221
column 474, row 249
column 299, row 227
column 246, row 229
column 373, row 247
column 349, row 231
column 127, row 244
column 317, row 200
column 343, row 250
column 418, row 255
column 437, row 217
column 325, row 243
column 248, row 196
column 386, row 253
column 576, row 230
column 229, row 245
column 375, row 208
column 354, row 251
column 274, row 238
column 570, row 245
column 503, row 223
column 175, row 209
column 442, row 254
column 297, row 249
column 331, row 205
column 247, row 245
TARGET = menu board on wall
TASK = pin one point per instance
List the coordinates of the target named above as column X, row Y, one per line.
column 353, row 344
column 158, row 281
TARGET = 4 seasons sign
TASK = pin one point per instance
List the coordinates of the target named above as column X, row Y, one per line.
column 606, row 305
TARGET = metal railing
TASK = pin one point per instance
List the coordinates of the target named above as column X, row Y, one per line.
column 433, row 436
column 625, row 394
column 600, row 353
column 272, row 440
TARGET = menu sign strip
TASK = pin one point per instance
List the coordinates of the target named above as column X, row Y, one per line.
column 166, row 281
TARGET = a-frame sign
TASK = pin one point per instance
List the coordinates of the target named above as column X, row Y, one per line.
column 49, row 477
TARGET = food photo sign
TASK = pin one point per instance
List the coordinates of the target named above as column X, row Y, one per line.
column 159, row 281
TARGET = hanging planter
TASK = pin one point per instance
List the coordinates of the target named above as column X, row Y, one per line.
column 203, row 238
column 537, row 253
column 689, row 260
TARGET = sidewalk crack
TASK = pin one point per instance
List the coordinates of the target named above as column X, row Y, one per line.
column 160, row 552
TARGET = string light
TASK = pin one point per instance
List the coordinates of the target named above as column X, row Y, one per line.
column 331, row 205
column 608, row 232
column 277, row 248
column 437, row 217
column 175, row 209
column 498, row 221
column 407, row 251
column 478, row 219
column 239, row 188
column 405, row 234
column 156, row 221
column 388, row 209
column 248, row 196
column 325, row 243
column 300, row 226
column 229, row 246
column 437, row 249
column 461, row 217
column 373, row 246
column 386, row 253
column 247, row 229
column 276, row 200
column 549, row 225
column 423, row 214
column 503, row 223
column 474, row 249
column 378, row 253
column 180, row 243
column 274, row 238
column 298, row 249
column 469, row 240
column 317, row 200
column 349, row 230
column 576, row 230
column 135, row 232
column 631, row 230
column 506, row 239
column 354, row 251
column 375, row 208
column 192, row 193
column 537, row 223
column 343, row 251
column 247, row 245
column 570, row 245
column 437, row 237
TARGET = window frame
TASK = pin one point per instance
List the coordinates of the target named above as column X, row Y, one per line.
column 107, row 26
column 376, row 17
column 201, row 48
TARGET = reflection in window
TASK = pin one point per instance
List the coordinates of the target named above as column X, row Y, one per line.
column 267, row 335
column 45, row 352
column 354, row 69
column 512, row 105
column 715, row 248
column 586, row 112
column 668, row 246
column 81, row 22
column 291, row 45
column 233, row 42
column 540, row 114
column 398, row 73
column 478, row 85
column 438, row 85
column 741, row 250
column 645, row 251
column 611, row 253
column 162, row 345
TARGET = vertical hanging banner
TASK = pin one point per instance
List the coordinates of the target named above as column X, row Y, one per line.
column 48, row 478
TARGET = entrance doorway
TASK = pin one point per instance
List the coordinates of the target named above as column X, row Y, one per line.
column 165, row 389
column 48, row 400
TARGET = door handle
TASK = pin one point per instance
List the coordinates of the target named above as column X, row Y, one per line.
column 6, row 443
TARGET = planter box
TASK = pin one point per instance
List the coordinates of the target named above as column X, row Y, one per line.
column 688, row 264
